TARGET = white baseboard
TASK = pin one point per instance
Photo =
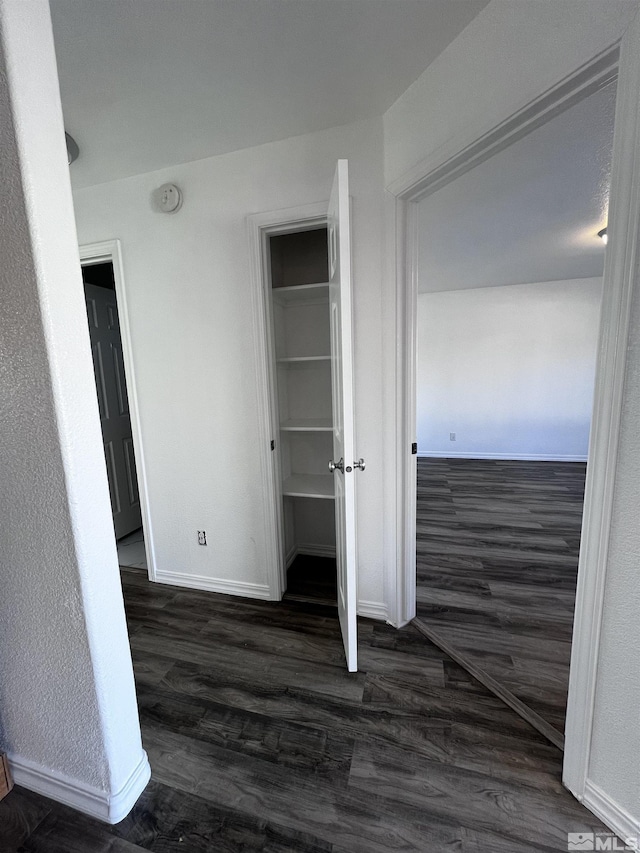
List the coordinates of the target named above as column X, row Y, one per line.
column 102, row 805
column 525, row 457
column 373, row 610
column 226, row 587
column 611, row 814
column 311, row 551
column 293, row 553
column 316, row 550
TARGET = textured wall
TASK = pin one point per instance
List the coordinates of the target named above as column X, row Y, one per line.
column 615, row 749
column 511, row 53
column 67, row 702
column 509, row 369
column 189, row 304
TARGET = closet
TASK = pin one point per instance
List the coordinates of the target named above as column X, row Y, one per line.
column 301, row 262
column 299, row 272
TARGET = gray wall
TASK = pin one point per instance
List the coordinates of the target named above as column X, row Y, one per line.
column 68, row 710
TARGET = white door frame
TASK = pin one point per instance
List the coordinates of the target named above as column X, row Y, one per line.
column 260, row 227
column 109, row 251
column 405, row 193
column 621, row 61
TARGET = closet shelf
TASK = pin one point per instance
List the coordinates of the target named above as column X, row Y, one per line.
column 301, row 292
column 309, row 486
column 307, row 425
column 303, row 358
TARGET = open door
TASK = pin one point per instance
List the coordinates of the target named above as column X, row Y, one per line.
column 343, row 464
column 108, row 366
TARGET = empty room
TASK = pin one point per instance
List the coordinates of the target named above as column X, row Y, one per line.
column 510, row 264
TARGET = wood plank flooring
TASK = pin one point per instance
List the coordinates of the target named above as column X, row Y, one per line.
column 497, row 557
column 312, row 579
column 260, row 740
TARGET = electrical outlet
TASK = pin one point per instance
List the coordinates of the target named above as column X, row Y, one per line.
column 202, row 537
column 452, row 436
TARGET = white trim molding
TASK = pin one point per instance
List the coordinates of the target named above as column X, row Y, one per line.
column 311, row 550
column 102, row 805
column 373, row 610
column 427, row 177
column 292, row 553
column 461, row 155
column 221, row 585
column 259, row 227
column 316, row 550
column 611, row 814
column 101, row 253
column 516, row 457
column 622, row 263
column 403, row 603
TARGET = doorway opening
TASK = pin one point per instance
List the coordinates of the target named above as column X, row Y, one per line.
column 298, row 273
column 102, row 278
column 510, row 267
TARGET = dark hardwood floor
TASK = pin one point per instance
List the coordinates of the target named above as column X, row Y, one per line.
column 260, row 740
column 497, row 557
column 312, row 579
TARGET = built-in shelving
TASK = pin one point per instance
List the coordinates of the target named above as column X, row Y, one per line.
column 309, row 486
column 301, row 339
column 296, row 359
column 301, row 293
column 307, row 425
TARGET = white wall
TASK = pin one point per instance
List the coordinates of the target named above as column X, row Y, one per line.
column 68, row 715
column 509, row 370
column 615, row 744
column 189, row 302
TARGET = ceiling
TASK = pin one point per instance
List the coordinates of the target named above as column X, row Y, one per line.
column 150, row 83
column 529, row 214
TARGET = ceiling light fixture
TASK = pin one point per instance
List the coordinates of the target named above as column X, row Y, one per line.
column 72, row 148
column 603, row 235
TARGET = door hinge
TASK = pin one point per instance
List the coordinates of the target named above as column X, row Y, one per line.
column 273, row 444
column 414, row 448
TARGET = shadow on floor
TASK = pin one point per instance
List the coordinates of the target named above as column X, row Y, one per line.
column 312, row 579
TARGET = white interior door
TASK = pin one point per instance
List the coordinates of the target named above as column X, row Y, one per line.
column 342, row 464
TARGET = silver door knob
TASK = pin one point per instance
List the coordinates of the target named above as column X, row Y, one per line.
column 359, row 464
column 339, row 465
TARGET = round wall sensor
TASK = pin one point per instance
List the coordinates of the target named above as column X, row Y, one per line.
column 170, row 198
